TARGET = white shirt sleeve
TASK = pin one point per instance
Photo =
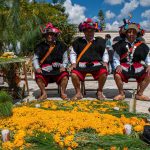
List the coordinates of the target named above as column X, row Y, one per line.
column 147, row 60
column 35, row 61
column 73, row 55
column 105, row 56
column 116, row 60
column 65, row 59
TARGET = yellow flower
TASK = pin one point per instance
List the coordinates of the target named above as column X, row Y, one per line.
column 7, row 145
column 69, row 148
column 138, row 128
column 61, row 144
column 113, row 148
column 74, row 144
column 54, row 107
column 68, row 139
column 19, row 138
column 57, row 138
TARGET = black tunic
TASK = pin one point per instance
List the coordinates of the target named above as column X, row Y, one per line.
column 94, row 53
column 55, row 56
column 139, row 55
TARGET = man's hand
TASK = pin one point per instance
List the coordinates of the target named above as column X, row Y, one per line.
column 106, row 65
column 148, row 70
column 62, row 69
column 39, row 70
column 73, row 66
column 119, row 69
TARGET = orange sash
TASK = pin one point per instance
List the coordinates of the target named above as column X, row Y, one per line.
column 130, row 50
column 47, row 54
column 83, row 51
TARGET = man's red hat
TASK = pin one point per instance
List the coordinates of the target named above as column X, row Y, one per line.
column 88, row 24
column 49, row 28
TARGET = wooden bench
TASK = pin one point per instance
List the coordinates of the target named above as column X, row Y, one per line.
column 87, row 79
column 132, row 80
column 57, row 88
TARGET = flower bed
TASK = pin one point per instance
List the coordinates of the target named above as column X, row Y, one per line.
column 73, row 125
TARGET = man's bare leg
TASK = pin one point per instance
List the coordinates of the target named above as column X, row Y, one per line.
column 101, row 82
column 63, row 86
column 76, row 84
column 41, row 85
column 142, row 86
column 119, row 84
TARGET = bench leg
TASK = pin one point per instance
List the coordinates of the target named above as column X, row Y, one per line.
column 83, row 88
column 59, row 89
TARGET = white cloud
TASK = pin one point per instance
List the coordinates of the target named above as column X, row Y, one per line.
column 128, row 8
column 145, row 2
column 113, row 2
column 113, row 27
column 109, row 14
column 75, row 12
column 145, row 24
column 146, row 14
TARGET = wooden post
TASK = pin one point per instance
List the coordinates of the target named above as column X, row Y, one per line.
column 132, row 107
column 25, row 77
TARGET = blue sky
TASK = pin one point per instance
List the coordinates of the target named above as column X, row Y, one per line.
column 114, row 11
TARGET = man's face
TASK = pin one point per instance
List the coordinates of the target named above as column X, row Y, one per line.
column 89, row 33
column 131, row 35
column 50, row 37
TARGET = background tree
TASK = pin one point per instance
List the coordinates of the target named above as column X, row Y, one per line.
column 58, row 1
column 21, row 21
column 101, row 18
column 4, row 11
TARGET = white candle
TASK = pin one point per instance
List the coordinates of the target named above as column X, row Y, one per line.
column 37, row 105
column 5, row 135
column 128, row 129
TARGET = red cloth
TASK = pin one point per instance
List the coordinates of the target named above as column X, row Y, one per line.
column 51, row 78
column 95, row 74
column 126, row 78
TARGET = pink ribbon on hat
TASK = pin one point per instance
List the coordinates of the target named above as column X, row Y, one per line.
column 51, row 27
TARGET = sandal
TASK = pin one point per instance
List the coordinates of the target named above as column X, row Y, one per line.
column 142, row 97
column 64, row 97
column 75, row 98
column 119, row 97
column 101, row 97
column 42, row 97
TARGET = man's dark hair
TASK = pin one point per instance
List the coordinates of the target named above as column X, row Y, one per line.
column 108, row 36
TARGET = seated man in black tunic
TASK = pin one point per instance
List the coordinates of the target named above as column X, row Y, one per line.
column 50, row 61
column 131, row 60
column 88, row 55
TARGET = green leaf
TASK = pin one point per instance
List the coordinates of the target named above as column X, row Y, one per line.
column 6, row 104
column 42, row 141
column 5, row 97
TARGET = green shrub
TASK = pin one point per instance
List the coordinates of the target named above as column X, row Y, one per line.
column 6, row 104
